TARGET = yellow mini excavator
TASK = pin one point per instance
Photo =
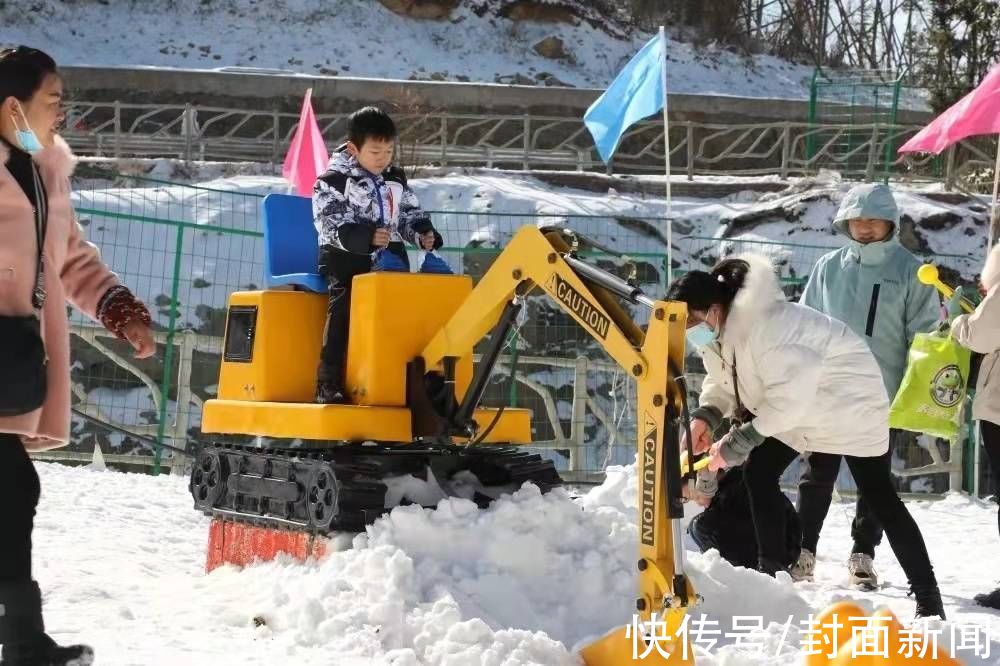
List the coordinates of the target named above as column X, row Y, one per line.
column 415, row 409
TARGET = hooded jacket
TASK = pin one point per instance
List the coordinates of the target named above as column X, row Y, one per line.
column 350, row 203
column 980, row 332
column 873, row 287
column 808, row 380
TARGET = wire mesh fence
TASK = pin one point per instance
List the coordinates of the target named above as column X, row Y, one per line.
column 183, row 249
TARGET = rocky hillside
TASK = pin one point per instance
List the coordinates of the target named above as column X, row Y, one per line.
column 528, row 42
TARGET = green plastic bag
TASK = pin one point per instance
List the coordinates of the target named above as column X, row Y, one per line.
column 933, row 390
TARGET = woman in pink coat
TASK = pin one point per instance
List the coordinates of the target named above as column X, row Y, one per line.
column 35, row 211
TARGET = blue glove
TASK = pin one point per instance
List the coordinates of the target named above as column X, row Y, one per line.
column 435, row 264
column 388, row 261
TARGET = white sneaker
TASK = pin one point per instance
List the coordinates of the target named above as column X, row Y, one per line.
column 804, row 568
column 861, row 572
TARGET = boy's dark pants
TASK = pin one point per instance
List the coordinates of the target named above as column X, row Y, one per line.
column 340, row 268
column 334, row 353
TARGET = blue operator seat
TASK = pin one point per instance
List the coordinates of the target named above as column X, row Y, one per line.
column 291, row 245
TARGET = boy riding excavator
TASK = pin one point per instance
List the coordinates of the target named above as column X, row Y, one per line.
column 414, row 408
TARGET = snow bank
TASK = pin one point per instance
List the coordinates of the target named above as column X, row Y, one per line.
column 120, row 558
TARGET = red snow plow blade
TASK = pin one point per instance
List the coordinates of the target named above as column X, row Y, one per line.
column 241, row 544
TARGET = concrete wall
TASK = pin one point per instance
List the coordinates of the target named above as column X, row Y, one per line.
column 332, row 94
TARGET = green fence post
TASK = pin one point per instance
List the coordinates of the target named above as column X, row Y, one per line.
column 813, row 120
column 168, row 357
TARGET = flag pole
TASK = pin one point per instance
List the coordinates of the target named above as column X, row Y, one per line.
column 995, row 209
column 666, row 159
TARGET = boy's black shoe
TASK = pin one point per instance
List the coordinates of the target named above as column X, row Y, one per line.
column 329, row 393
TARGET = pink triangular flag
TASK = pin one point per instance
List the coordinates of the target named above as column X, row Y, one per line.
column 976, row 113
column 307, row 156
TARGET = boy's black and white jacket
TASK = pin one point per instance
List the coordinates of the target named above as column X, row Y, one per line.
column 350, row 203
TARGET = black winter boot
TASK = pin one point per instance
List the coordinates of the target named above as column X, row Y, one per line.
column 22, row 632
column 990, row 599
column 766, row 565
column 929, row 602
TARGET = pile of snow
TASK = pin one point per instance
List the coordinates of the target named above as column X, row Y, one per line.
column 120, row 560
column 364, row 39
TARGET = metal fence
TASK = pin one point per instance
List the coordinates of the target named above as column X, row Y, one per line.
column 193, row 132
column 184, row 249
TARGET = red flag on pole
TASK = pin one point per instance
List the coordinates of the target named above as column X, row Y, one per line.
column 307, row 156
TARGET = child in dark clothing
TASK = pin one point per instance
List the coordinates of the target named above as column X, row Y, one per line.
column 363, row 210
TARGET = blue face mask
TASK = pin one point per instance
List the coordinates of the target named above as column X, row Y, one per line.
column 27, row 138
column 701, row 335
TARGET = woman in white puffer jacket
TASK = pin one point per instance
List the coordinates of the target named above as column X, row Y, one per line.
column 795, row 381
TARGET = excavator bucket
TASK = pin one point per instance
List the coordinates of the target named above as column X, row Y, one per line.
column 622, row 646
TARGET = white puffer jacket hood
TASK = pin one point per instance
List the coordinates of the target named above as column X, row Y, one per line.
column 808, row 379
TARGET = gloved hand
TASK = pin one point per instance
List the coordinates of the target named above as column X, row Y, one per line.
column 432, row 263
column 954, row 303
column 388, row 261
column 734, row 448
column 706, row 484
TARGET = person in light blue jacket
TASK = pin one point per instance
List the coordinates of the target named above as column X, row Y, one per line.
column 871, row 285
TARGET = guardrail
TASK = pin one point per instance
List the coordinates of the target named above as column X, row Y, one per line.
column 526, row 141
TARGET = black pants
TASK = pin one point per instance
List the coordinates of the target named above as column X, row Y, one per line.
column 816, row 493
column 19, row 492
column 338, row 312
column 768, row 461
column 727, row 525
column 991, row 442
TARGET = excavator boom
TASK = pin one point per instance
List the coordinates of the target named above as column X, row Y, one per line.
column 537, row 261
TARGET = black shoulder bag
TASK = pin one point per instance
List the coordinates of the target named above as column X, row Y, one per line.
column 22, row 352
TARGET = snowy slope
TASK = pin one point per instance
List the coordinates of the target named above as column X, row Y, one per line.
column 367, row 40
column 120, row 561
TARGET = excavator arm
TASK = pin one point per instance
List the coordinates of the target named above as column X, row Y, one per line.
column 655, row 358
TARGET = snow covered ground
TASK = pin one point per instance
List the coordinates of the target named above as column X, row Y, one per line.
column 120, row 560
column 365, row 39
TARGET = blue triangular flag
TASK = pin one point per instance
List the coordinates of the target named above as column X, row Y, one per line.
column 637, row 92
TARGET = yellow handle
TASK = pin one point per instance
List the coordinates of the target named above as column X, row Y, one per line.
column 698, row 465
column 928, row 274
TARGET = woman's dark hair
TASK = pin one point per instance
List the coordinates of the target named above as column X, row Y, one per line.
column 22, row 70
column 701, row 290
column 370, row 123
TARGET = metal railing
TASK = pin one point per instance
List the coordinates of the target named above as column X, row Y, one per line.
column 526, row 141
column 185, row 258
